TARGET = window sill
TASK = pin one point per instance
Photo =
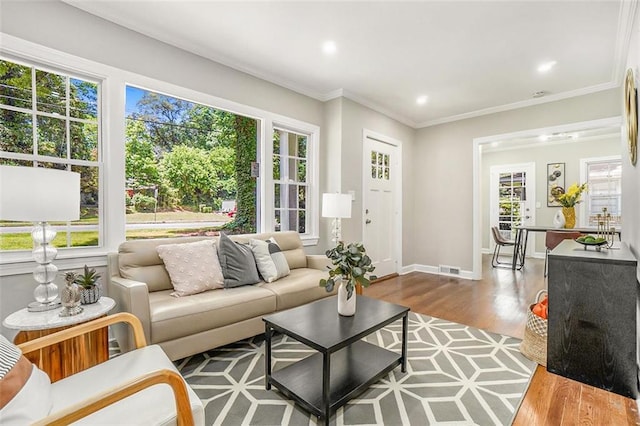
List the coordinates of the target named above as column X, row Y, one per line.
column 22, row 263
column 309, row 240
column 26, row 264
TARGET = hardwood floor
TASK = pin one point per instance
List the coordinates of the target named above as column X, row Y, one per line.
column 499, row 303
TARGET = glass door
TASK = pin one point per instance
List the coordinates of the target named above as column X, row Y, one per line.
column 512, row 192
column 512, row 195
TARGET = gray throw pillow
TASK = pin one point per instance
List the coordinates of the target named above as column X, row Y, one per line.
column 237, row 262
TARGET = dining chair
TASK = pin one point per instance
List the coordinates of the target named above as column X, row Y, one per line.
column 501, row 242
column 551, row 241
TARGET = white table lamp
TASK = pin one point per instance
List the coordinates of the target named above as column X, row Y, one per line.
column 337, row 206
column 34, row 194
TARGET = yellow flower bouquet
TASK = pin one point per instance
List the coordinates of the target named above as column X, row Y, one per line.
column 571, row 197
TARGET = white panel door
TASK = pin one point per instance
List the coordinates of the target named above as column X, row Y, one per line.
column 381, row 239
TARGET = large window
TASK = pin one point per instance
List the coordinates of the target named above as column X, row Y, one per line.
column 604, row 183
column 290, row 180
column 51, row 118
column 62, row 111
column 186, row 168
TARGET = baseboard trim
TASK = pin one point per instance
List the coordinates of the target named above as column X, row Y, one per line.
column 427, row 269
column 384, row 278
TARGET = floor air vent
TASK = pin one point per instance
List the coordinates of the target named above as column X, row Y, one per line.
column 450, row 270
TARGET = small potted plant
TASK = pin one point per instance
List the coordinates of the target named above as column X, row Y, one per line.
column 91, row 290
column 351, row 266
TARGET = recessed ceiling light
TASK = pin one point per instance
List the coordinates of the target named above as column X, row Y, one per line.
column 329, row 47
column 544, row 138
column 421, row 100
column 546, row 66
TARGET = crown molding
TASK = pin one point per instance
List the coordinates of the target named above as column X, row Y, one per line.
column 378, row 108
column 487, row 149
column 338, row 93
column 626, row 17
column 521, row 104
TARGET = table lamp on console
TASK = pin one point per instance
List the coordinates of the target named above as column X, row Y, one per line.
column 40, row 195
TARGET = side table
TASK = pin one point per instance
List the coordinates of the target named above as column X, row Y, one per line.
column 70, row 356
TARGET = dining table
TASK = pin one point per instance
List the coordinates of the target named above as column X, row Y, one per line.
column 522, row 236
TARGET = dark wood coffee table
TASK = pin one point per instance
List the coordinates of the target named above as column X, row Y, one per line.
column 345, row 365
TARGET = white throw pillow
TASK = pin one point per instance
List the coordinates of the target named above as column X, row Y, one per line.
column 270, row 260
column 193, row 267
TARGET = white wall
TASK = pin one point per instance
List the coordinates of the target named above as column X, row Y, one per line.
column 541, row 155
column 355, row 118
column 441, row 232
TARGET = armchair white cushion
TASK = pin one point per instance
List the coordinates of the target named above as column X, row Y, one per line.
column 151, row 406
column 140, row 387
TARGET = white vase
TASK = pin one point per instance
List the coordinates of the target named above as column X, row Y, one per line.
column 558, row 220
column 346, row 307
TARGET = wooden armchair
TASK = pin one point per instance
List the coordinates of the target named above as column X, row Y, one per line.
column 119, row 388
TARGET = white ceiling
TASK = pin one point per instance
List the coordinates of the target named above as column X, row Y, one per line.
column 469, row 57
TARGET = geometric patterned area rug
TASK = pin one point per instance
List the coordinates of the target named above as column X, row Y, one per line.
column 456, row 375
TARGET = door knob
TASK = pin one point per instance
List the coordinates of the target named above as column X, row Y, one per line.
column 368, row 221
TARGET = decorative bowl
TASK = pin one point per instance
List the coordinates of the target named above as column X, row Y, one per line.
column 591, row 243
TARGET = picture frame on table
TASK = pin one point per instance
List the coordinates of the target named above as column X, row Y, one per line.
column 555, row 183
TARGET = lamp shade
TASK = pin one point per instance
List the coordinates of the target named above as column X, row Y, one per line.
column 35, row 194
column 336, row 205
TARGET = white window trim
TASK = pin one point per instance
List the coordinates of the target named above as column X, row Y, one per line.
column 313, row 173
column 582, row 210
column 112, row 105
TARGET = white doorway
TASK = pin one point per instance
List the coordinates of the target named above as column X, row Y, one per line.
column 518, row 138
column 512, row 198
column 382, row 202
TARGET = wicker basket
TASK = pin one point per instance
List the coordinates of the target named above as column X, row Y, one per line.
column 534, row 344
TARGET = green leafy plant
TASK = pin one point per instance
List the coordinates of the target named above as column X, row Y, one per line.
column 351, row 264
column 87, row 279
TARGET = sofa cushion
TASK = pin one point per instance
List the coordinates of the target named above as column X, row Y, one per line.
column 301, row 286
column 138, row 260
column 151, row 406
column 270, row 260
column 173, row 318
column 193, row 267
column 237, row 262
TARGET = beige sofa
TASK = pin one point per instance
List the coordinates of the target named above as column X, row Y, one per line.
column 185, row 326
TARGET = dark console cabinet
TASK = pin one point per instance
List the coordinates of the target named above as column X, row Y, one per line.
column 592, row 316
